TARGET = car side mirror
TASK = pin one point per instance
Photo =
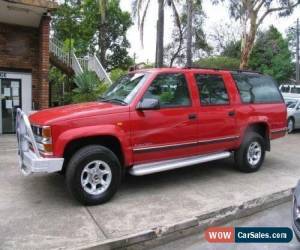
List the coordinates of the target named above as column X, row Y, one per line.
column 148, row 104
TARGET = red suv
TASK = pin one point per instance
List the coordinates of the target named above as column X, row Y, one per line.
column 150, row 121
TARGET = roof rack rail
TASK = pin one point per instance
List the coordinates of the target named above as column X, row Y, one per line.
column 235, row 70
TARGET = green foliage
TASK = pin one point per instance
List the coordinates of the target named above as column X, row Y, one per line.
column 115, row 74
column 88, row 87
column 58, row 83
column 175, row 52
column 271, row 55
column 232, row 49
column 95, row 27
column 166, row 97
column 221, row 62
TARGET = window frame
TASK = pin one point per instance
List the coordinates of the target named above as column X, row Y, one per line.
column 259, row 103
column 187, row 84
column 199, row 90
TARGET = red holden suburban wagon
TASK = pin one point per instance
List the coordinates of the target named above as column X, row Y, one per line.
column 154, row 120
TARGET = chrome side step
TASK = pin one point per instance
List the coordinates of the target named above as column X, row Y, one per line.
column 160, row 166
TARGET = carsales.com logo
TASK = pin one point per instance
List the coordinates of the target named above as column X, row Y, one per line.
column 248, row 234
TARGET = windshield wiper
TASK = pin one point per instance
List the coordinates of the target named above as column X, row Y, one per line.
column 102, row 99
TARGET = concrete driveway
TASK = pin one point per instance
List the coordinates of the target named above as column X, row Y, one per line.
column 37, row 212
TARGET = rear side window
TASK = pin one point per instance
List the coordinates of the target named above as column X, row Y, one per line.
column 212, row 89
column 255, row 88
column 295, row 90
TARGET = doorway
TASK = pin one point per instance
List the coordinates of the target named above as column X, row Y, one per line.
column 11, row 99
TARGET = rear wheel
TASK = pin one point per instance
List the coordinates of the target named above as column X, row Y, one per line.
column 250, row 156
column 290, row 125
column 93, row 175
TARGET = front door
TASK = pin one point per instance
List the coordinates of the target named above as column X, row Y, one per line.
column 171, row 131
column 10, row 90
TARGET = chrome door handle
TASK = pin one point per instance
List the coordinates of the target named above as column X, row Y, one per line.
column 192, row 116
column 231, row 113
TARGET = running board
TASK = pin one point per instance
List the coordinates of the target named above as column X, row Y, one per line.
column 160, row 166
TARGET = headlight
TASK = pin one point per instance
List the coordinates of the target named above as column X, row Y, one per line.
column 43, row 139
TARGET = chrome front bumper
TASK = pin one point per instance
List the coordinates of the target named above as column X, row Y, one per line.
column 30, row 159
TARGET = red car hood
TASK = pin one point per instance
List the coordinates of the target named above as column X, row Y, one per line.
column 74, row 111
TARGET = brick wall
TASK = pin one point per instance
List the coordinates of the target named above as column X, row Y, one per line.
column 25, row 48
column 43, row 86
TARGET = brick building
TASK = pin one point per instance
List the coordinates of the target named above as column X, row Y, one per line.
column 24, row 57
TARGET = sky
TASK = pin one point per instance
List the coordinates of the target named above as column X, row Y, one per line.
column 215, row 15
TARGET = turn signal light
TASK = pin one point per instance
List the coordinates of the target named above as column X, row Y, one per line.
column 46, row 132
column 48, row 148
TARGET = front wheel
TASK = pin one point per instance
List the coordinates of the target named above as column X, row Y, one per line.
column 290, row 125
column 93, row 175
column 250, row 156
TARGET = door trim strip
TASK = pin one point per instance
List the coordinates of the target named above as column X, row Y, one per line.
column 187, row 144
column 281, row 130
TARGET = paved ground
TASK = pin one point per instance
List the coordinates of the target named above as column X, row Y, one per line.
column 37, row 212
column 279, row 216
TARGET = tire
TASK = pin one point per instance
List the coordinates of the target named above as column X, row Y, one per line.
column 250, row 160
column 93, row 175
column 290, row 125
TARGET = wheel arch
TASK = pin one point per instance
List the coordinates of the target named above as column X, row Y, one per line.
column 108, row 141
column 111, row 137
column 291, row 117
column 263, row 129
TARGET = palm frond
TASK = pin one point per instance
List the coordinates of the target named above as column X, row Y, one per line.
column 141, row 27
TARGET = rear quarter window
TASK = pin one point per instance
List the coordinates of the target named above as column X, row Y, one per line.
column 256, row 88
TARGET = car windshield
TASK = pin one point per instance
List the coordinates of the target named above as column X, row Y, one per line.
column 124, row 89
column 290, row 103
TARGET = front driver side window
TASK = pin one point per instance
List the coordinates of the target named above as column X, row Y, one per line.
column 170, row 89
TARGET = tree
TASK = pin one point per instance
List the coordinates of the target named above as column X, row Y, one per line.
column 189, row 31
column 225, row 35
column 110, row 27
column 252, row 14
column 218, row 62
column 271, row 55
column 176, row 51
column 232, row 49
column 95, row 27
column 291, row 35
column 140, row 10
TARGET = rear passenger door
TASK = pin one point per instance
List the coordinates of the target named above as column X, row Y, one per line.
column 217, row 122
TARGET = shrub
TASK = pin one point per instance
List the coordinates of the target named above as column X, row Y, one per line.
column 220, row 62
column 88, row 87
column 116, row 73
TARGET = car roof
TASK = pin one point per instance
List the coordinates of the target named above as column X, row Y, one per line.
column 290, row 85
column 193, row 69
column 291, row 96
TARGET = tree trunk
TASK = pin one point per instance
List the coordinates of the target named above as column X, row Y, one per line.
column 102, row 44
column 189, row 33
column 160, row 35
column 248, row 39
